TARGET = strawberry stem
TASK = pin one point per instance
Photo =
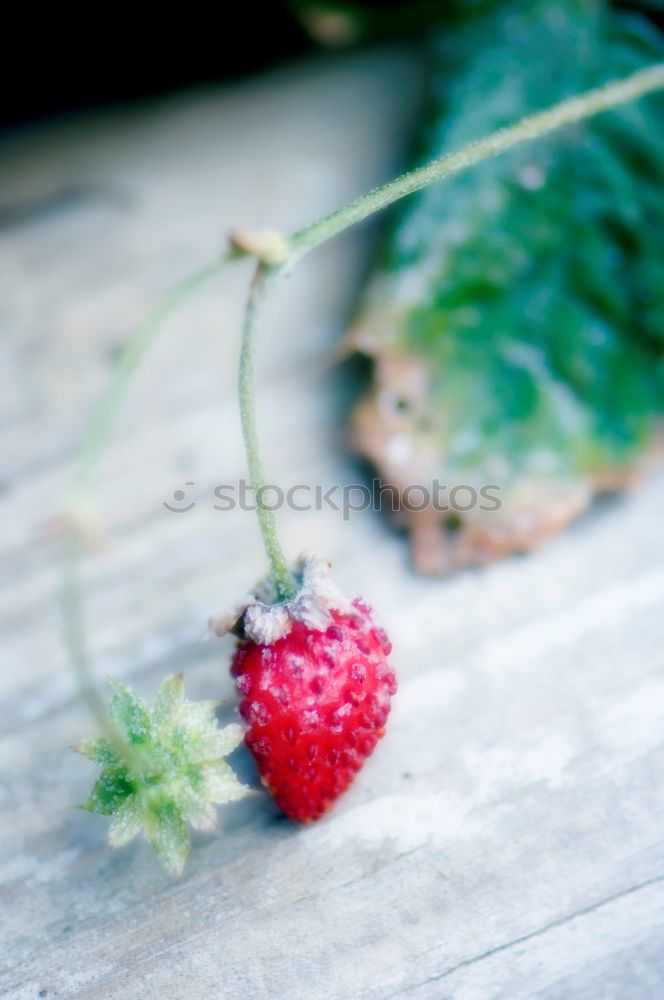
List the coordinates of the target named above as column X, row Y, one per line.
column 281, row 574
column 130, row 359
column 276, row 252
column 96, row 437
column 574, row 109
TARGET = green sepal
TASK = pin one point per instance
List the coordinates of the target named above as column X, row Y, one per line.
column 168, row 833
column 126, row 823
column 129, row 715
column 168, row 699
column 99, row 751
column 109, row 791
column 162, row 769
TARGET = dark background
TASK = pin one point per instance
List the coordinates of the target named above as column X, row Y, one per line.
column 67, row 61
column 59, row 60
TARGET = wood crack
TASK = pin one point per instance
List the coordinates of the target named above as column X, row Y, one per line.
column 553, row 925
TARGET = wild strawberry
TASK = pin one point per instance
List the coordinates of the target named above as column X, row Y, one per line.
column 316, row 689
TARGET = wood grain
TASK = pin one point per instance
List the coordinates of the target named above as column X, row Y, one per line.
column 506, row 840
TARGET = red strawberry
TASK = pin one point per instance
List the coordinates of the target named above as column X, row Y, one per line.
column 316, row 689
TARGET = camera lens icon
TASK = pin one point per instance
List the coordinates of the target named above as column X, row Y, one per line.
column 179, row 496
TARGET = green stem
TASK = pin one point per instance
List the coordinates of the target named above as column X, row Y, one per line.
column 567, row 112
column 74, row 632
column 301, row 242
column 574, row 109
column 133, row 354
column 281, row 574
column 96, row 437
column 79, row 659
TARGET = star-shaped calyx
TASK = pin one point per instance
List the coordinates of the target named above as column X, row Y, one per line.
column 163, row 769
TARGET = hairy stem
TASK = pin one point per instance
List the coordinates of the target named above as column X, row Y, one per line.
column 76, row 642
column 574, row 109
column 74, row 631
column 281, row 574
column 71, row 600
column 102, row 419
column 276, row 254
column 298, row 244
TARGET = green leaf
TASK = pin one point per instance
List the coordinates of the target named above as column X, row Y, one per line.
column 224, row 741
column 168, row 833
column 129, row 715
column 517, row 313
column 168, row 699
column 193, row 730
column 222, row 784
column 126, row 823
column 198, row 716
column 110, row 790
column 204, row 820
column 100, row 751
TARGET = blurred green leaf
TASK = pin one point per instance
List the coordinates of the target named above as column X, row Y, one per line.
column 530, row 287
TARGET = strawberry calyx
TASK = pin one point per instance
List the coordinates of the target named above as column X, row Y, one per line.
column 263, row 619
column 163, row 769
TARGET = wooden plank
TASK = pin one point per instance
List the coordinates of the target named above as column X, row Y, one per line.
column 505, row 841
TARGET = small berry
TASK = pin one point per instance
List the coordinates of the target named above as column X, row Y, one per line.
column 316, row 690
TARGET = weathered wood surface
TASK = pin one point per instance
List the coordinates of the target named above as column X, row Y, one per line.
column 506, row 841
